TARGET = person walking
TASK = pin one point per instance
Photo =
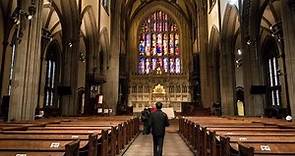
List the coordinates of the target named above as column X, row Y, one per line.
column 158, row 122
column 145, row 117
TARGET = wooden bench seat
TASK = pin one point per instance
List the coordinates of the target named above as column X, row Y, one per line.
column 61, row 148
column 32, row 153
column 52, row 136
column 120, row 130
column 266, row 149
column 229, row 144
column 124, row 131
column 89, row 142
column 112, row 138
column 212, row 136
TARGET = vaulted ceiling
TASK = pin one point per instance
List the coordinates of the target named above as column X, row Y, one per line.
column 188, row 8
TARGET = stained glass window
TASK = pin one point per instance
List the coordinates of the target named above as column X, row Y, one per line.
column 158, row 45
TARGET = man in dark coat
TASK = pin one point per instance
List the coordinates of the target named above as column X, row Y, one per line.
column 145, row 117
column 158, row 122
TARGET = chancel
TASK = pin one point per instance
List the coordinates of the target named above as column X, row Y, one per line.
column 75, row 76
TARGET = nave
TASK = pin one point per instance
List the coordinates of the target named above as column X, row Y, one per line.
column 173, row 146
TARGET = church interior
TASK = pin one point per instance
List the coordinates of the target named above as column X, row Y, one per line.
column 80, row 72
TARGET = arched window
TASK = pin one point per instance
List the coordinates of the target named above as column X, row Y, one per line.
column 273, row 73
column 158, row 45
column 274, row 81
column 51, row 75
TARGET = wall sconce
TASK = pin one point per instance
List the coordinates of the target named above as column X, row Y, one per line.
column 70, row 44
column 239, row 63
column 31, row 12
column 280, row 73
column 251, row 43
column 239, row 52
column 277, row 31
column 82, row 57
column 18, row 17
column 46, row 35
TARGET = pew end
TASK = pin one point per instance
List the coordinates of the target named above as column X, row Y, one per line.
column 72, row 149
column 245, row 150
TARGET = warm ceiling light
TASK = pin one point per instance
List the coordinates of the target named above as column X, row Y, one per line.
column 30, row 17
column 239, row 52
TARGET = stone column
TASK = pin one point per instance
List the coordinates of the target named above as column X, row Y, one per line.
column 23, row 99
column 202, row 44
column 227, row 79
column 111, row 87
column 71, row 50
column 69, row 103
column 227, row 84
column 253, row 72
column 288, row 20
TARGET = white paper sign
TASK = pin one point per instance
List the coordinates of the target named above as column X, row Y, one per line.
column 99, row 110
column 243, row 139
column 75, row 136
column 54, row 145
column 265, row 148
column 21, row 154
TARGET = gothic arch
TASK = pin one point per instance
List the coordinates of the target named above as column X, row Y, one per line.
column 53, row 46
column 56, row 41
column 91, row 38
column 181, row 22
column 271, row 35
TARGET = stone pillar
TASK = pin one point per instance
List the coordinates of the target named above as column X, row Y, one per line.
column 253, row 72
column 288, row 20
column 227, row 82
column 111, row 87
column 69, row 103
column 202, row 44
column 71, row 50
column 227, row 77
column 23, row 99
column 253, row 75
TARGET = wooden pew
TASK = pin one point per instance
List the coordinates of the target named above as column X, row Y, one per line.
column 124, row 126
column 90, row 148
column 35, row 147
column 111, row 139
column 266, row 149
column 229, row 145
column 203, row 128
column 100, row 141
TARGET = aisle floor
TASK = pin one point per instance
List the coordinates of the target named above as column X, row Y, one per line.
column 173, row 146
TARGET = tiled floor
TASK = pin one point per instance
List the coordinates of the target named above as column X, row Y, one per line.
column 173, row 146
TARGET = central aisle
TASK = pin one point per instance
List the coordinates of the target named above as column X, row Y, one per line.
column 173, row 146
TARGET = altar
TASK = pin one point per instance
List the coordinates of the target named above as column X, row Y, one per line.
column 171, row 97
column 159, row 95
